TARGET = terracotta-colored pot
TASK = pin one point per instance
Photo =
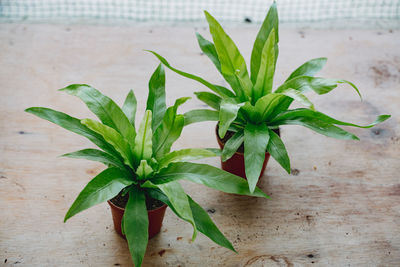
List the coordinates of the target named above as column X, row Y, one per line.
column 156, row 218
column 235, row 164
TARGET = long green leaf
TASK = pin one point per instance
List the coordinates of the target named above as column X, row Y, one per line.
column 299, row 97
column 74, row 125
column 270, row 22
column 169, row 130
column 179, row 200
column 210, row 99
column 143, row 142
column 233, row 65
column 187, row 154
column 96, row 155
column 207, row 175
column 232, row 145
column 209, row 50
column 217, row 89
column 256, row 139
column 136, row 225
column 156, row 98
column 105, row 109
column 265, row 106
column 104, row 186
column 129, row 107
column 112, row 137
column 227, row 114
column 309, row 68
column 277, row 150
column 200, row 115
column 265, row 77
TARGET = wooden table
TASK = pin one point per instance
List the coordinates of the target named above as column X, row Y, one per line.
column 340, row 206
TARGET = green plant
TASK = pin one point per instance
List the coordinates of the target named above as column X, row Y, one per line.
column 252, row 110
column 140, row 162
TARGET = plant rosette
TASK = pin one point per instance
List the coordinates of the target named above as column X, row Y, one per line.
column 140, row 163
column 250, row 108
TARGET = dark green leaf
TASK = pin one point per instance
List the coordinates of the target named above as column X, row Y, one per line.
column 256, row 138
column 210, row 99
column 96, row 155
column 104, row 186
column 129, row 107
column 199, row 115
column 232, row 145
column 277, row 150
column 207, row 175
column 227, row 114
column 310, row 68
column 136, row 225
column 156, row 98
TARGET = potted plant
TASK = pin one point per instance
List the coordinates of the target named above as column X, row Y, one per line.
column 142, row 173
column 250, row 113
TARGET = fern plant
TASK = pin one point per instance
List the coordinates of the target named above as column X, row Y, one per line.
column 139, row 161
column 251, row 109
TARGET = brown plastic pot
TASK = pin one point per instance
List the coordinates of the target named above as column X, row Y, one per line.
column 156, row 218
column 235, row 164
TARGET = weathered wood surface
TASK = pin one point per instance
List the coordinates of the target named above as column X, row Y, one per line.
column 340, row 206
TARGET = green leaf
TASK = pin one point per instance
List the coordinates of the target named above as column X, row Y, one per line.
column 207, row 175
column 270, row 22
column 104, row 186
column 227, row 114
column 96, row 155
column 185, row 155
column 136, row 225
column 222, row 91
column 156, row 98
column 74, row 125
column 233, row 65
column 200, row 115
column 232, row 145
column 209, row 50
column 277, row 150
column 265, row 77
column 112, row 137
column 143, row 142
column 144, row 170
column 310, row 68
column 179, row 200
column 301, row 112
column 105, row 109
column 169, row 130
column 210, row 99
column 256, row 138
column 265, row 106
column 299, row 97
column 129, row 107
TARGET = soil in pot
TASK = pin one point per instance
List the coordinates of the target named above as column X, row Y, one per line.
column 155, row 210
column 235, row 164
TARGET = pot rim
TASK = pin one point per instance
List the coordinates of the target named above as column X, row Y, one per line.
column 123, row 209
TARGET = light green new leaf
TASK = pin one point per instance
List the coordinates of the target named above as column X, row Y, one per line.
column 270, row 22
column 96, row 155
column 227, row 114
column 209, row 50
column 217, row 89
column 143, row 141
column 105, row 109
column 112, row 137
column 169, row 130
column 156, row 98
column 277, row 150
column 144, row 170
column 233, row 65
column 136, row 225
column 104, row 186
column 309, row 68
column 203, row 222
column 210, row 99
column 129, row 107
column 199, row 115
column 207, row 175
column 256, row 139
column 232, row 145
column 74, row 125
column 265, row 77
column 179, row 200
column 187, row 154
